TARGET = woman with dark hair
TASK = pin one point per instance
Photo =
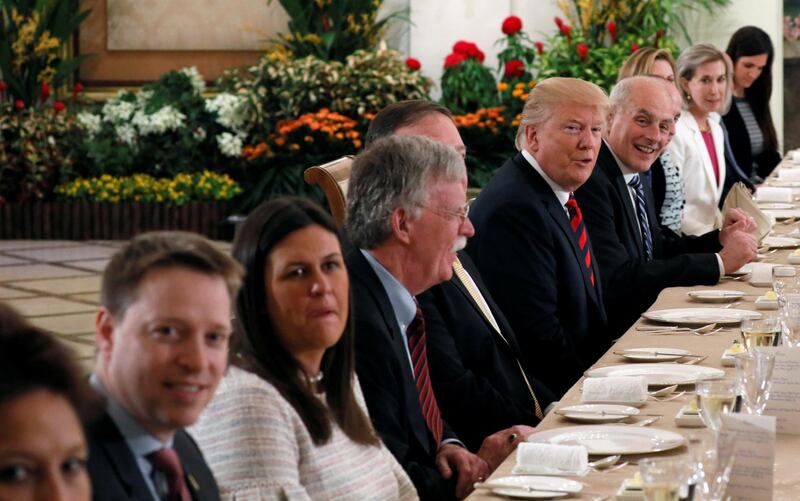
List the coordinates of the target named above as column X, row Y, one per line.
column 43, row 451
column 749, row 121
column 289, row 420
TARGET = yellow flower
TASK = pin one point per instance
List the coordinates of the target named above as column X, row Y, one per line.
column 502, row 86
column 517, row 92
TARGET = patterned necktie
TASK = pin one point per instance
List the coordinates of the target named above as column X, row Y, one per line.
column 576, row 222
column 167, row 462
column 462, row 275
column 419, row 357
column 644, row 224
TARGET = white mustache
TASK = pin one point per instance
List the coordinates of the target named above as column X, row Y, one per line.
column 460, row 243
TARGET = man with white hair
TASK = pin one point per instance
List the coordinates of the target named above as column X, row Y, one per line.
column 531, row 246
column 637, row 258
column 406, row 218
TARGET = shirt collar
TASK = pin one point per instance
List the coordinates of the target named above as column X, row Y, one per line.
column 403, row 304
column 139, row 441
column 561, row 194
column 627, row 173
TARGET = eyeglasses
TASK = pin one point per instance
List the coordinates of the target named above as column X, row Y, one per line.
column 461, row 213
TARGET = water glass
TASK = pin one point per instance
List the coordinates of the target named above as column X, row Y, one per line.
column 663, row 479
column 790, row 316
column 781, row 276
column 754, row 371
column 714, row 467
column 716, row 397
column 760, row 332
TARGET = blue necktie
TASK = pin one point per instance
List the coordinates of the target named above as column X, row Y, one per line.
column 644, row 225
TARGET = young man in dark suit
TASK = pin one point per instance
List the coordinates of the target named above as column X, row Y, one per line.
column 530, row 243
column 638, row 259
column 162, row 347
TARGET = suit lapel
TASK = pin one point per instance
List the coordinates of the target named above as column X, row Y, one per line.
column 362, row 271
column 614, row 172
column 121, row 459
column 194, row 470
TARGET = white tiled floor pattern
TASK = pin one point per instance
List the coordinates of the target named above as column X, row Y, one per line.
column 56, row 284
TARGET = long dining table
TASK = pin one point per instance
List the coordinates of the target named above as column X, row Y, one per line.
column 598, row 484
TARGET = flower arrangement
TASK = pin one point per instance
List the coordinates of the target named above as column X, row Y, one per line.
column 488, row 137
column 166, row 128
column 178, row 190
column 330, row 30
column 34, row 151
column 33, row 35
column 467, row 84
column 517, row 52
column 513, row 96
column 366, row 82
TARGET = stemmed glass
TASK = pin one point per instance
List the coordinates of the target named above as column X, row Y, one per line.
column 714, row 467
column 663, row 478
column 782, row 276
column 760, row 332
column 789, row 304
column 716, row 396
column 754, row 371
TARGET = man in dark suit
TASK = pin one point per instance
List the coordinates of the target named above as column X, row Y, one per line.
column 530, row 243
column 162, row 342
column 406, row 215
column 637, row 258
column 484, row 392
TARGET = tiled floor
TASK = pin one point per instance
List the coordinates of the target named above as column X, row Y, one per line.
column 56, row 284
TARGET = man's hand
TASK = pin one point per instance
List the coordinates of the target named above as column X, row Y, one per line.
column 498, row 446
column 739, row 250
column 452, row 458
column 736, row 220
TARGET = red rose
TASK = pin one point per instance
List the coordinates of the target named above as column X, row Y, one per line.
column 453, row 60
column 76, row 89
column 45, row 91
column 512, row 25
column 479, row 55
column 583, row 51
column 3, row 86
column 634, row 47
column 611, row 26
column 462, row 47
column 59, row 106
column 19, row 104
column 659, row 34
column 539, row 47
column 566, row 31
column 559, row 22
column 413, row 64
column 514, row 68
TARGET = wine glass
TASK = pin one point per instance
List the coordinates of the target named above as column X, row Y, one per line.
column 716, row 396
column 754, row 371
column 781, row 276
column 714, row 467
column 760, row 332
column 663, row 478
column 789, row 304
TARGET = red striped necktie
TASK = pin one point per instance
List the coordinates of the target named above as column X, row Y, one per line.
column 576, row 222
column 167, row 462
column 419, row 357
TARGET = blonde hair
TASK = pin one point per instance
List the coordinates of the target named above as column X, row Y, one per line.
column 642, row 61
column 554, row 92
column 696, row 56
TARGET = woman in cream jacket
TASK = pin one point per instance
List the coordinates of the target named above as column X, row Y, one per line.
column 698, row 146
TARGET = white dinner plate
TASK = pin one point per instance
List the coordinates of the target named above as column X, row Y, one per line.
column 775, row 206
column 715, row 295
column 515, row 486
column 785, row 184
column 612, row 439
column 597, row 413
column 653, row 354
column 780, row 242
column 700, row 316
column 659, row 374
column 780, row 215
column 744, row 270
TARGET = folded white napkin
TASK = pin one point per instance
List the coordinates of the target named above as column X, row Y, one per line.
column 761, row 274
column 789, row 175
column 614, row 389
column 794, row 155
column 773, row 194
column 551, row 459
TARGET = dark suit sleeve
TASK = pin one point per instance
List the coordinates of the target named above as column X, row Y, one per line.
column 457, row 387
column 379, row 380
column 631, row 285
column 516, row 257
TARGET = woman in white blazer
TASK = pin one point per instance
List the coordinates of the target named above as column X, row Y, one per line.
column 698, row 147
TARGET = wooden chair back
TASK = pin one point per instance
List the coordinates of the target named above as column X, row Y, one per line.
column 333, row 178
